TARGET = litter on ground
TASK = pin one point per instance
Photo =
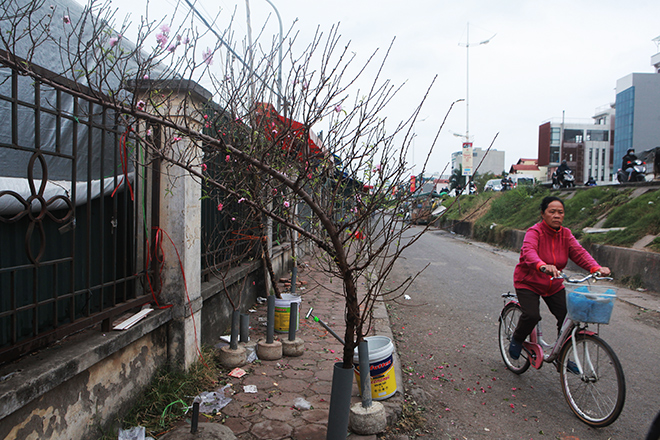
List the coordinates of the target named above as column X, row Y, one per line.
column 135, row 433
column 251, row 354
column 211, row 402
column 237, row 372
column 301, row 404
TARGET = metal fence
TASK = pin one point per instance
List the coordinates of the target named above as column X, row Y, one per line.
column 75, row 214
column 233, row 233
column 79, row 220
column 230, row 234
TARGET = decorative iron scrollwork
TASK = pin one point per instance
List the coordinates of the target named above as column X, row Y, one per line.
column 37, row 213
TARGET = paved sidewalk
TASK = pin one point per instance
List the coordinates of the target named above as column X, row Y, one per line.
column 270, row 412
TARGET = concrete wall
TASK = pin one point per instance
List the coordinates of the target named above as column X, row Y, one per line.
column 630, row 262
column 623, row 262
column 70, row 390
column 243, row 284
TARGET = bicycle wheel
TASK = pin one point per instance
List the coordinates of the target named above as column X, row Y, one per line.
column 508, row 321
column 597, row 395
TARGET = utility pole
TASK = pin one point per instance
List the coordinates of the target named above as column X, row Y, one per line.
column 467, row 79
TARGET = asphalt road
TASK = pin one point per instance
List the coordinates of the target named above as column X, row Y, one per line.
column 446, row 337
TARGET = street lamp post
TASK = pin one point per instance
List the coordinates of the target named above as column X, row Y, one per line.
column 269, row 221
column 467, row 80
column 279, row 67
column 281, row 38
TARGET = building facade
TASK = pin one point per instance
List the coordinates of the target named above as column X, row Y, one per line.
column 529, row 167
column 493, row 162
column 638, row 113
column 585, row 145
column 595, row 148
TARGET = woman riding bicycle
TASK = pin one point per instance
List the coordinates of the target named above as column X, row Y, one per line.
column 545, row 252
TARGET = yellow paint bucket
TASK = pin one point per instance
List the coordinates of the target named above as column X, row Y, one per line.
column 283, row 312
column 381, row 366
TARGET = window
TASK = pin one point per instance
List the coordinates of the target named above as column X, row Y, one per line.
column 554, row 154
column 572, row 135
column 598, row 135
column 554, row 136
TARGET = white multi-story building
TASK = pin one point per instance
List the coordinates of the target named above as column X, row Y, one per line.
column 493, row 162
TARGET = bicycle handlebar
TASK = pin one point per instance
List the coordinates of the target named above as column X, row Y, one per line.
column 595, row 276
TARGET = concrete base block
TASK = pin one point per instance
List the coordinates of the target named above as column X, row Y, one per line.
column 367, row 421
column 205, row 431
column 269, row 352
column 293, row 348
column 233, row 358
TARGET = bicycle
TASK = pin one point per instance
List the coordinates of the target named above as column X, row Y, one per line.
column 591, row 375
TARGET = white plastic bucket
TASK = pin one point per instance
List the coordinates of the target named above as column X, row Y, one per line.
column 283, row 312
column 381, row 367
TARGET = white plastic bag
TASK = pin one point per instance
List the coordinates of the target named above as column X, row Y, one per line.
column 135, row 433
column 213, row 401
column 301, row 404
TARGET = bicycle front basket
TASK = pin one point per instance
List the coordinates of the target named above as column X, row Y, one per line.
column 592, row 304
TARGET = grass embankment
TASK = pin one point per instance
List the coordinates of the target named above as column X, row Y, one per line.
column 607, row 206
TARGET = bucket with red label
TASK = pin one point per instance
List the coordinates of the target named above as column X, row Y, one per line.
column 381, row 367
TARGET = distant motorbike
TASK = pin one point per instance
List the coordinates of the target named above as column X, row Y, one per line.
column 566, row 179
column 638, row 172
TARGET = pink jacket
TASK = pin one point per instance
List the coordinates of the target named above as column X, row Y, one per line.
column 543, row 245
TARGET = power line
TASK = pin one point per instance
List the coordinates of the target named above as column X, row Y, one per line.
column 224, row 43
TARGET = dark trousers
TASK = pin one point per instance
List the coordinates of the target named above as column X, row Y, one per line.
column 529, row 302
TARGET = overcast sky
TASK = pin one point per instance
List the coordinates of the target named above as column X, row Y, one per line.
column 546, row 57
